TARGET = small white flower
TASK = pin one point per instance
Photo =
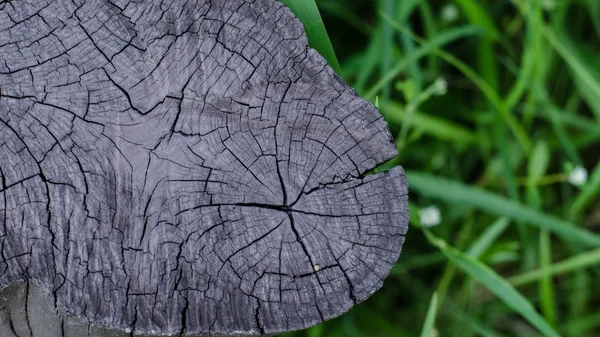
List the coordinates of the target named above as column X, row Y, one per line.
column 316, row 267
column 450, row 13
column 440, row 87
column 430, row 216
column 578, row 176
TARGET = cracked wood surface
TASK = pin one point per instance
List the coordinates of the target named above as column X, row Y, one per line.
column 188, row 167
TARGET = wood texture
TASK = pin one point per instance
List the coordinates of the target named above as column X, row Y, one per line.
column 188, row 167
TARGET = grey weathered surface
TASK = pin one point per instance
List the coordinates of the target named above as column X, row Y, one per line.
column 188, row 167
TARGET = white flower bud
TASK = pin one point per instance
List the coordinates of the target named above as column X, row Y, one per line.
column 449, row 13
column 578, row 176
column 440, row 87
column 430, row 216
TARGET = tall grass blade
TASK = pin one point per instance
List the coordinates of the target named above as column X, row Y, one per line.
column 456, row 192
column 547, row 300
column 478, row 16
column 404, row 10
column 430, row 30
column 488, row 237
column 425, row 49
column 561, row 134
column 495, row 283
column 308, row 13
column 434, row 126
column 532, row 68
column 371, row 59
column 536, row 169
column 581, row 70
column 387, row 32
column 485, row 88
column 487, row 64
column 353, row 19
column 579, row 326
column 581, row 261
column 457, row 313
column 428, row 326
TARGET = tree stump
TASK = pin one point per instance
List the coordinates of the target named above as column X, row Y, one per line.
column 184, row 167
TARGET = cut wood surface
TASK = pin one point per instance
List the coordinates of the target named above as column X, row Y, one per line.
column 187, row 167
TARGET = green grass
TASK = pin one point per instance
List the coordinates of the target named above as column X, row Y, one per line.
column 518, row 250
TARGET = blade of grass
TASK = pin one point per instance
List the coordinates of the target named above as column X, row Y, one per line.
column 387, row 47
column 531, row 56
column 589, row 96
column 428, row 326
column 464, row 298
column 350, row 17
column 502, row 140
column 411, row 110
column 536, row 169
column 488, row 67
column 584, row 141
column 455, row 192
column 488, row 237
column 404, row 10
column 430, row 31
column 581, row 70
column 477, row 15
column 570, row 119
column 418, row 262
column 581, row 261
column 547, row 300
column 308, row 13
column 493, row 282
column 580, row 326
column 476, row 326
column 560, row 131
column 485, row 88
column 417, row 287
column 426, row 49
column 431, row 125
column 451, row 269
column 371, row 61
column 580, row 297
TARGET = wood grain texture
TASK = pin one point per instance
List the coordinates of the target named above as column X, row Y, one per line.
column 188, row 167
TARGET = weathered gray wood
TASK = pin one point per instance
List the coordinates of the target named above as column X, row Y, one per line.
column 187, row 167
